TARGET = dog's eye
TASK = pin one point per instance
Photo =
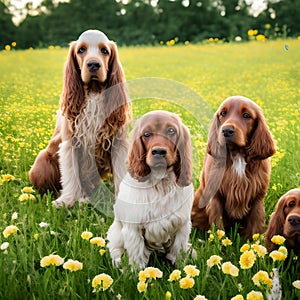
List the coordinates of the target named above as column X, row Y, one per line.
column 104, row 51
column 171, row 131
column 246, row 116
column 291, row 204
column 147, row 134
column 81, row 50
column 223, row 113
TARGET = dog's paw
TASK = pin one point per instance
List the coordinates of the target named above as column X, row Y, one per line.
column 116, row 262
column 60, row 202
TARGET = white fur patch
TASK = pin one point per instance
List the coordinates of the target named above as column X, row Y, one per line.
column 239, row 165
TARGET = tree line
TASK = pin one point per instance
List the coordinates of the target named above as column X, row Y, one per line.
column 147, row 22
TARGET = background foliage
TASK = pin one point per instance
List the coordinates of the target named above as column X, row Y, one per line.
column 141, row 22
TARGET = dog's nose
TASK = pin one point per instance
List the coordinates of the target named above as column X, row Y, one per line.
column 93, row 66
column 294, row 220
column 228, row 131
column 159, row 151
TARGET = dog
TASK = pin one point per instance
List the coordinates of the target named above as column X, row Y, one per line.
column 152, row 210
column 236, row 169
column 90, row 125
column 285, row 221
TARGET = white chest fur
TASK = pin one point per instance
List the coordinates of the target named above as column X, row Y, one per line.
column 239, row 165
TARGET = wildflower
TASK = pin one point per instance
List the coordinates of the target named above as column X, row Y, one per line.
column 283, row 250
column 36, row 236
column 7, row 47
column 186, row 282
column 102, row 252
column 73, row 265
column 199, row 297
column 191, row 270
column 14, row 44
column 8, row 177
column 51, row 260
column 4, row 246
column 261, row 38
column 278, row 239
column 86, row 235
column 237, row 297
column 24, row 197
column 229, row 268
column 296, row 284
column 254, row 295
column 152, row 272
column 175, row 275
column 102, row 282
column 214, row 260
column 97, row 241
column 211, row 237
column 43, row 224
column 142, row 286
column 277, row 255
column 142, row 276
column 226, row 242
column 247, row 259
column 261, row 278
column 28, row 190
column 245, row 247
column 168, row 295
column 14, row 216
column 220, row 233
column 10, row 230
column 260, row 250
column 255, row 236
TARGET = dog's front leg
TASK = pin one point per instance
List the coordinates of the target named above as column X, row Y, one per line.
column 214, row 211
column 134, row 243
column 71, row 188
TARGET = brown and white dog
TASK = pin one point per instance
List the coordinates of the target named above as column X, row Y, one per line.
column 90, row 125
column 152, row 210
column 236, row 169
column 285, row 221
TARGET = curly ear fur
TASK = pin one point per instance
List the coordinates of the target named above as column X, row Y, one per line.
column 183, row 167
column 136, row 163
column 72, row 98
column 261, row 144
column 276, row 224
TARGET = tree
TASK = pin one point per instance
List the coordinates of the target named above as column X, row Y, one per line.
column 8, row 30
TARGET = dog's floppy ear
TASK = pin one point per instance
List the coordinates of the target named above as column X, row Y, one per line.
column 136, row 162
column 183, row 167
column 72, row 98
column 262, row 144
column 276, row 224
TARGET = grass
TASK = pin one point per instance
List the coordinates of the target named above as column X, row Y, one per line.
column 193, row 81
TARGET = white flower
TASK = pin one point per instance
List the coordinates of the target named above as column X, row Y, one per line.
column 14, row 216
column 4, row 246
column 43, row 224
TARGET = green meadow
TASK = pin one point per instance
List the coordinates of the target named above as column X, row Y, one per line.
column 190, row 80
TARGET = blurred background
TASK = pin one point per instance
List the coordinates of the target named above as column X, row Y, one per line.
column 38, row 24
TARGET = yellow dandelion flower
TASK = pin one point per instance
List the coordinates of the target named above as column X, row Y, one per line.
column 247, row 259
column 261, row 38
column 10, row 230
column 245, row 247
column 255, row 236
column 102, row 282
column 168, row 295
column 72, row 265
column 254, row 295
column 238, row 297
column 278, row 239
column 211, row 237
column 200, row 297
column 229, row 268
column 86, row 235
column 191, row 270
column 142, row 286
column 98, row 241
column 14, row 44
column 175, row 275
column 25, row 197
column 102, row 252
column 261, row 278
column 283, row 250
column 296, row 284
column 7, row 47
column 8, row 177
column 36, row 236
column 142, row 276
column 220, row 233
column 152, row 272
column 51, row 260
column 226, row 242
column 277, row 255
column 28, row 190
column 186, row 283
column 260, row 250
column 214, row 260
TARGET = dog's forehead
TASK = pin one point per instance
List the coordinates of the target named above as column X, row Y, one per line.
column 239, row 102
column 93, row 37
column 158, row 120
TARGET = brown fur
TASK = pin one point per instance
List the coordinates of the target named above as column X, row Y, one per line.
column 226, row 197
